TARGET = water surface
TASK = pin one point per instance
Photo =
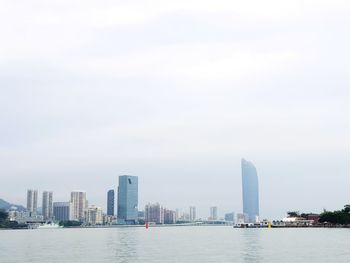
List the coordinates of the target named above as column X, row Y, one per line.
column 176, row 244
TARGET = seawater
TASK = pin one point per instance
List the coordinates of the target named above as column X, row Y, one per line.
column 176, row 244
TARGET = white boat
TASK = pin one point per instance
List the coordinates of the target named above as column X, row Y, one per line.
column 49, row 225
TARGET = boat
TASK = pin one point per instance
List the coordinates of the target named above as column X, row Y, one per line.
column 49, row 225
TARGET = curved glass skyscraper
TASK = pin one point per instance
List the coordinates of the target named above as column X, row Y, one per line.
column 250, row 190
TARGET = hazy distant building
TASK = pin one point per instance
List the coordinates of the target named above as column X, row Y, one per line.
column 250, row 190
column 47, row 208
column 110, row 203
column 241, row 218
column 213, row 213
column 27, row 217
column 154, row 213
column 94, row 216
column 193, row 215
column 79, row 203
column 169, row 216
column 127, row 199
column 179, row 214
column 32, row 201
column 62, row 211
column 141, row 215
column 230, row 217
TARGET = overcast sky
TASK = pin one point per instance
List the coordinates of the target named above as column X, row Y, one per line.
column 177, row 92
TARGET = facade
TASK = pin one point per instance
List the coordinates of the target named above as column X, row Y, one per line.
column 154, row 213
column 213, row 213
column 26, row 217
column 62, row 211
column 127, row 199
column 250, row 191
column 110, row 203
column 169, row 216
column 94, row 216
column 230, row 217
column 32, row 201
column 193, row 215
column 79, row 205
column 47, row 208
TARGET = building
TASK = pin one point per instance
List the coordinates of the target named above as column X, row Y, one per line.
column 154, row 213
column 110, row 203
column 242, row 218
column 127, row 199
column 47, row 208
column 213, row 213
column 27, row 218
column 250, row 191
column 79, row 205
column 230, row 217
column 94, row 216
column 193, row 216
column 169, row 216
column 32, row 201
column 62, row 211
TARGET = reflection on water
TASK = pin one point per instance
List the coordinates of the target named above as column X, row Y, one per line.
column 126, row 245
column 251, row 245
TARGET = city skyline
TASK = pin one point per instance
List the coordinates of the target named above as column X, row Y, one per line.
column 202, row 208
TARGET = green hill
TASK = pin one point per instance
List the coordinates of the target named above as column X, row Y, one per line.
column 6, row 205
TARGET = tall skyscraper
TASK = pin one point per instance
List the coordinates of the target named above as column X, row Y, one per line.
column 47, row 207
column 110, row 203
column 213, row 213
column 62, row 211
column 127, row 199
column 79, row 203
column 192, row 213
column 32, row 201
column 250, row 190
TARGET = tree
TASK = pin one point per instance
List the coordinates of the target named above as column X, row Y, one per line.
column 341, row 217
column 293, row 213
column 3, row 215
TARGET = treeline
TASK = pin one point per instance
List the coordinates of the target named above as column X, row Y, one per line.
column 339, row 217
column 70, row 223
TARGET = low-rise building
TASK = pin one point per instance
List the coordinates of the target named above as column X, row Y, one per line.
column 62, row 211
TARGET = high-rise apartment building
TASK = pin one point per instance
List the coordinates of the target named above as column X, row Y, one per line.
column 47, row 208
column 213, row 213
column 62, row 211
column 169, row 216
column 192, row 213
column 154, row 213
column 79, row 203
column 32, row 201
column 127, row 199
column 110, row 203
column 94, row 216
column 250, row 191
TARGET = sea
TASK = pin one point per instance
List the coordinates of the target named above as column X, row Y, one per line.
column 176, row 244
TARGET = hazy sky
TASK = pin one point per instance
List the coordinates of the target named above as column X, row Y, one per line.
column 177, row 92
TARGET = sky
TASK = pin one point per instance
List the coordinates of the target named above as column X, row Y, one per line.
column 176, row 93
